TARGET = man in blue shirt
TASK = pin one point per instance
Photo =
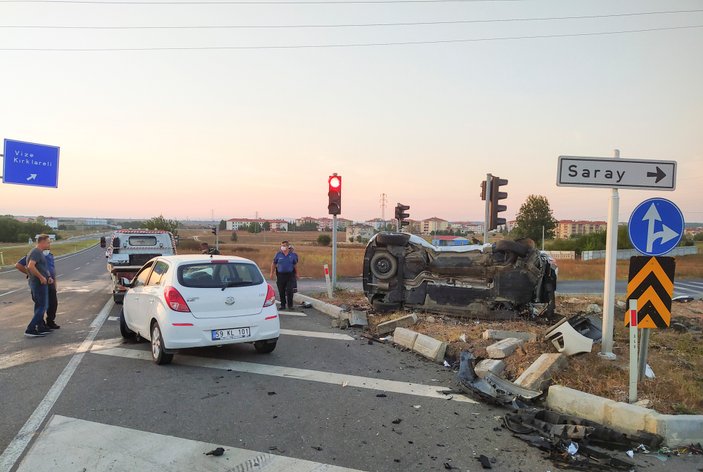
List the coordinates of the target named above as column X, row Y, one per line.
column 284, row 263
column 52, row 302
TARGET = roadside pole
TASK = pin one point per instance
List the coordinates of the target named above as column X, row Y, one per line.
column 634, row 371
column 328, row 283
column 334, row 252
column 644, row 347
column 487, row 211
column 611, row 248
column 217, row 237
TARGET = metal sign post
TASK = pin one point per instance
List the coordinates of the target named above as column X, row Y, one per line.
column 634, row 371
column 611, row 253
column 334, row 252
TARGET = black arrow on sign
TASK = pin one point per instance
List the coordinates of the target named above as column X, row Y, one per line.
column 659, row 174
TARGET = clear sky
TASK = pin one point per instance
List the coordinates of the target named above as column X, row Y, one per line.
column 231, row 132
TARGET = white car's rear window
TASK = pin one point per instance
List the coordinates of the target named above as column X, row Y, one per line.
column 216, row 275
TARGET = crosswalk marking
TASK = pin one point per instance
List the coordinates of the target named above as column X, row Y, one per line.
column 430, row 391
column 86, row 445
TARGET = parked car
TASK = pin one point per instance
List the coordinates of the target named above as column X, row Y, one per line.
column 482, row 281
column 180, row 302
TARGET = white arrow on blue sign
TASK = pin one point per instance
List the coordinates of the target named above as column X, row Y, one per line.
column 656, row 226
column 30, row 164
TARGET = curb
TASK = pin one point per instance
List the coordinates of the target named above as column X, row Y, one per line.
column 677, row 430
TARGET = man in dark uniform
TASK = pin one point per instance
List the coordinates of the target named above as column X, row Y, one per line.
column 284, row 263
column 53, row 303
column 39, row 279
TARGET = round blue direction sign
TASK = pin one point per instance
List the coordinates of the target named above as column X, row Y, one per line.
column 656, row 226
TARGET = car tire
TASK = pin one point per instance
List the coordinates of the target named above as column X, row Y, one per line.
column 392, row 239
column 265, row 347
column 383, row 265
column 157, row 346
column 124, row 329
column 384, row 307
column 505, row 245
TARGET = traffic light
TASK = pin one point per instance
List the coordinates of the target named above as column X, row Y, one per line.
column 214, row 230
column 483, row 190
column 495, row 207
column 400, row 215
column 334, row 207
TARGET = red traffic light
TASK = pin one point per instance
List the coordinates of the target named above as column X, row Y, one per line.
column 335, row 182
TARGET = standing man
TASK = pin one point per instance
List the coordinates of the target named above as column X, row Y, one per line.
column 206, row 249
column 39, row 279
column 284, row 263
column 53, row 302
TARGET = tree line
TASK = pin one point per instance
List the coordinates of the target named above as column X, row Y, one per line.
column 13, row 231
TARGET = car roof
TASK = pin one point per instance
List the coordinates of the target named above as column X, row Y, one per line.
column 195, row 258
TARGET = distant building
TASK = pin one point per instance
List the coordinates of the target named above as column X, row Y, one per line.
column 568, row 228
column 52, row 223
column 234, row 224
column 379, row 224
column 433, row 224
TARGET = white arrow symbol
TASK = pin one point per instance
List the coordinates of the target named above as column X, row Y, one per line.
column 32, row 177
column 666, row 234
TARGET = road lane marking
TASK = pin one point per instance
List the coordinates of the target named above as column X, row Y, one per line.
column 316, row 334
column 291, row 313
column 75, row 444
column 113, row 318
column 19, row 443
column 430, row 391
column 11, row 291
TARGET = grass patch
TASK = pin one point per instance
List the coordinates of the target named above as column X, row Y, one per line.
column 58, row 248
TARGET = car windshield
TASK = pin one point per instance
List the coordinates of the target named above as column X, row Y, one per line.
column 219, row 275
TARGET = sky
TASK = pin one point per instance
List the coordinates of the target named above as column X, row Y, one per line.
column 256, row 126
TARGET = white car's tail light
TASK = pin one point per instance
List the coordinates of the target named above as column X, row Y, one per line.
column 175, row 300
column 270, row 296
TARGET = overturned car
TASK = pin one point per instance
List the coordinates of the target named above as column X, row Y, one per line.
column 495, row 281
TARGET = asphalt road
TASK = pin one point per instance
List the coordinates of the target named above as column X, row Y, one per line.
column 81, row 399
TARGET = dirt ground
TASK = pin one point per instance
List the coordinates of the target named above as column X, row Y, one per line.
column 675, row 354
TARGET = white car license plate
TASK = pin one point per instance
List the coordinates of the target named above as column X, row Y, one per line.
column 227, row 334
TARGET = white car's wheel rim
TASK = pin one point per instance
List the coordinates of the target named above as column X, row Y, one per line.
column 155, row 342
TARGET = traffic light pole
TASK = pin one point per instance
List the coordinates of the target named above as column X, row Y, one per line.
column 334, row 252
column 488, row 208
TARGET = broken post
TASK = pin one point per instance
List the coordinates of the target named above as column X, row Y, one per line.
column 327, row 281
column 634, row 371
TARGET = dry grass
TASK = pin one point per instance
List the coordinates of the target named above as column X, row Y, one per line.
column 675, row 357
column 58, row 248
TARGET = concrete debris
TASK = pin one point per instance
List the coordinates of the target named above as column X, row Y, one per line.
column 504, row 348
column 594, row 309
column 574, row 335
column 402, row 322
column 358, row 318
column 539, row 375
column 499, row 334
column 491, row 387
column 495, row 366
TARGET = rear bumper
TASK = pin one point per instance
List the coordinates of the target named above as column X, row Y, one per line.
column 178, row 335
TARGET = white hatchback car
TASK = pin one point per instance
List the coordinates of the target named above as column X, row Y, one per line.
column 187, row 301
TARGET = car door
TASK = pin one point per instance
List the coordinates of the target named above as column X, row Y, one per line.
column 133, row 301
column 152, row 292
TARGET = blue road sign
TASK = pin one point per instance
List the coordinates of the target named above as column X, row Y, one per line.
column 30, row 164
column 656, row 226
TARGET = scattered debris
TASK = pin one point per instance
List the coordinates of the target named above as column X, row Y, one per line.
column 462, row 338
column 648, row 372
column 683, row 299
column 575, row 335
column 401, row 322
column 397, row 421
column 317, row 448
column 271, row 393
column 594, row 309
column 215, row 452
column 381, row 395
column 358, row 318
column 503, row 348
column 491, row 387
column 485, row 462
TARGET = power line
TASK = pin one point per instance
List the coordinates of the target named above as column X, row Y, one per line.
column 353, row 45
column 352, row 25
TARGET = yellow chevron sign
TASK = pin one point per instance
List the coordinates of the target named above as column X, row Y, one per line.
column 651, row 283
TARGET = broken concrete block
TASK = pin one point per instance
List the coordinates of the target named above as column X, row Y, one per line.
column 358, row 318
column 537, row 376
column 498, row 334
column 594, row 309
column 430, row 347
column 504, row 348
column 404, row 337
column 495, row 366
column 402, row 322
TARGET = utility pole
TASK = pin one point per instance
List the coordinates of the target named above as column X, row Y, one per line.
column 383, row 202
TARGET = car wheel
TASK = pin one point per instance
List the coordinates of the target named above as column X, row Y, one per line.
column 124, row 329
column 157, row 346
column 505, row 245
column 383, row 265
column 265, row 347
column 392, row 239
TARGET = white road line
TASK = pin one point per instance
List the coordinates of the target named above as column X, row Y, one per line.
column 430, row 391
column 113, row 318
column 291, row 313
column 75, row 444
column 77, row 268
column 11, row 291
column 316, row 334
column 17, row 446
